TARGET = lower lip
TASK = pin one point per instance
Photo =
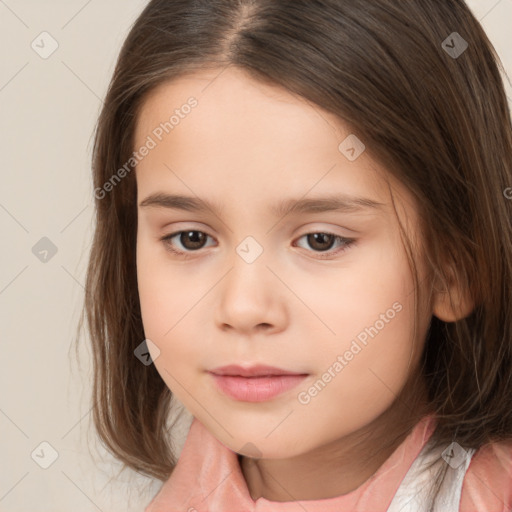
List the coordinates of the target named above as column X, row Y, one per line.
column 256, row 389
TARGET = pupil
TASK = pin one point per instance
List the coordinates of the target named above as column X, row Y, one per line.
column 320, row 237
column 196, row 238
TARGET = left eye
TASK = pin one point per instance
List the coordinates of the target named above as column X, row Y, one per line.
column 193, row 240
column 320, row 239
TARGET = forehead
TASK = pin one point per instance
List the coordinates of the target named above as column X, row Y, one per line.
column 229, row 102
column 255, row 138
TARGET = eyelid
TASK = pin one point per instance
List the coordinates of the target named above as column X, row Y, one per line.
column 204, row 228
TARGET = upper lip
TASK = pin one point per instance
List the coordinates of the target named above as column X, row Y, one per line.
column 252, row 371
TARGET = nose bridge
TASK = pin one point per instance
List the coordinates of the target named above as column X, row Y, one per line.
column 248, row 297
column 249, row 269
column 250, row 249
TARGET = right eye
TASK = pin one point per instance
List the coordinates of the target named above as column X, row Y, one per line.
column 192, row 240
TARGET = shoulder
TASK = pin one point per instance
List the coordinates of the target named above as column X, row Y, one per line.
column 487, row 484
column 199, row 482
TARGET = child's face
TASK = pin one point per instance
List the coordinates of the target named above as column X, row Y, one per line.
column 255, row 288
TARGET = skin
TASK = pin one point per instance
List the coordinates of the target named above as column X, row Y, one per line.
column 245, row 146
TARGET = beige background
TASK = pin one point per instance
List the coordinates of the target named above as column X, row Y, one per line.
column 48, row 110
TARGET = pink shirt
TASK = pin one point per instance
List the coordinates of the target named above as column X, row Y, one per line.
column 208, row 477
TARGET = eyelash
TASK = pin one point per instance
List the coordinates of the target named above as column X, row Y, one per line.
column 347, row 243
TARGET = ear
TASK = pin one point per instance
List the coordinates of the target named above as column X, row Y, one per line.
column 454, row 302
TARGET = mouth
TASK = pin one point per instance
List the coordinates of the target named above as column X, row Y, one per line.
column 255, row 383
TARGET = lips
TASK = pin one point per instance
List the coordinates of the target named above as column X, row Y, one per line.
column 252, row 371
column 255, row 383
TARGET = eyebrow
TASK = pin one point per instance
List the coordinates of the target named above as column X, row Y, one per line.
column 339, row 203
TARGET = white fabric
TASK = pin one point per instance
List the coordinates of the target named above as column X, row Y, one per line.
column 412, row 495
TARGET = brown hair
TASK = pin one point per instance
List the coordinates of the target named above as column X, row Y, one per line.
column 438, row 122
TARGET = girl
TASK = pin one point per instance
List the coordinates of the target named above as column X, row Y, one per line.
column 304, row 222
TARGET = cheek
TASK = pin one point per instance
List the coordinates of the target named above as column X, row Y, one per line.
column 166, row 321
column 373, row 291
column 369, row 378
column 166, row 297
column 370, row 311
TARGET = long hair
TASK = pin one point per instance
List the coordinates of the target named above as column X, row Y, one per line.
column 420, row 83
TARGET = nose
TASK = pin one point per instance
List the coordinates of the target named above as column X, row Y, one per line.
column 250, row 299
